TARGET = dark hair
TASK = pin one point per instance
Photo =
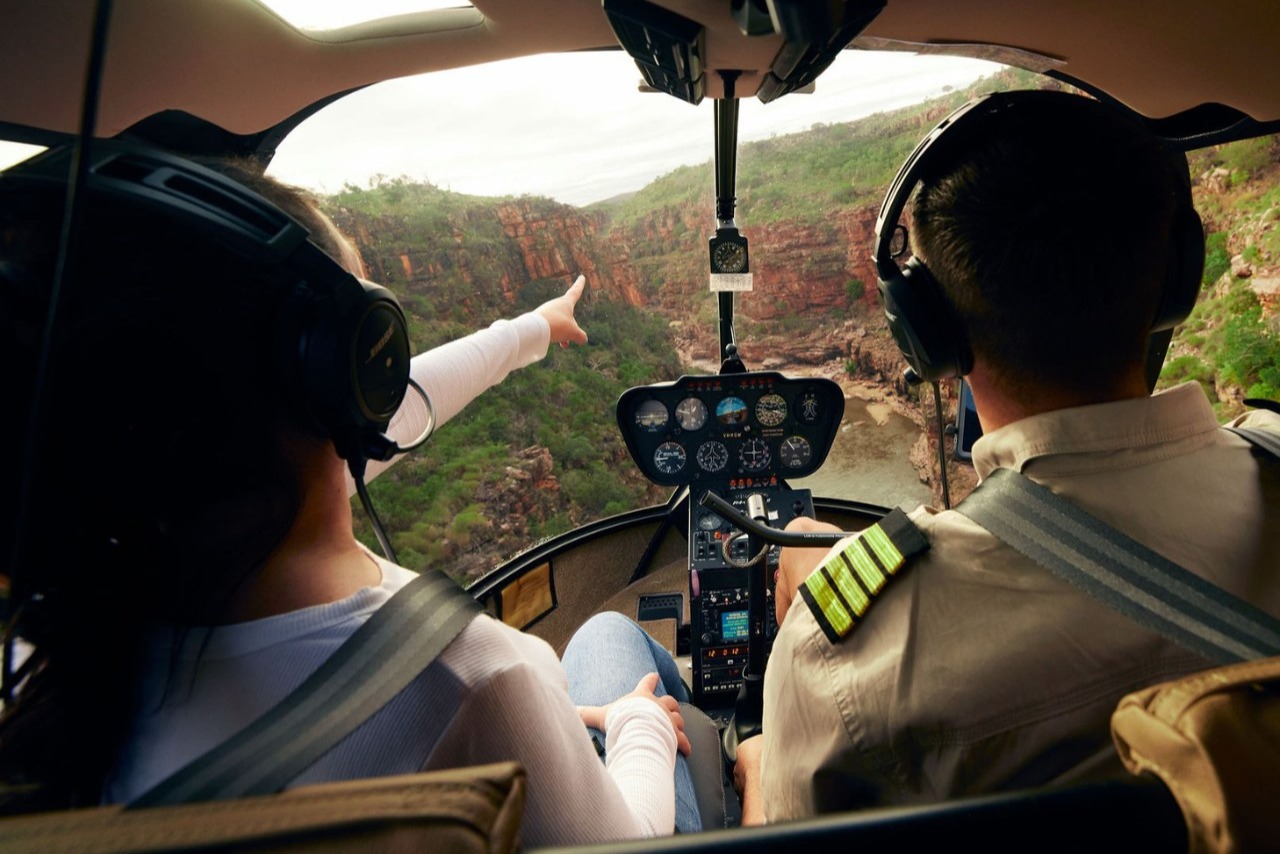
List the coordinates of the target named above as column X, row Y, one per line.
column 161, row 479
column 1049, row 236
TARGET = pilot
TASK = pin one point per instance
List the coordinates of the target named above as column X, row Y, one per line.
column 180, row 485
column 1056, row 228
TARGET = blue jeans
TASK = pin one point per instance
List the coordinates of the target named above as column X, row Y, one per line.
column 605, row 659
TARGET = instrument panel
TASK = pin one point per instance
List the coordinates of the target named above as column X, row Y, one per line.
column 748, row 429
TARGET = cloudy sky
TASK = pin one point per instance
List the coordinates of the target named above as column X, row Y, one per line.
column 573, row 127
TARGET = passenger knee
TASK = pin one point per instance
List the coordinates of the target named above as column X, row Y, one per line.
column 608, row 629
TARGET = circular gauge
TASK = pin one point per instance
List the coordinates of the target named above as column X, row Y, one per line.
column 651, row 416
column 709, row 522
column 712, row 456
column 754, row 455
column 731, row 412
column 809, row 409
column 729, row 258
column 794, row 452
column 771, row 410
column 669, row 457
column 691, row 413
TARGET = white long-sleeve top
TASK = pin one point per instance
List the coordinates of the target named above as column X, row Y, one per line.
column 493, row 694
column 456, row 373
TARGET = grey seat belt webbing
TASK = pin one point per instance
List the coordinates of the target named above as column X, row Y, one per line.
column 1123, row 573
column 1262, row 438
column 384, row 655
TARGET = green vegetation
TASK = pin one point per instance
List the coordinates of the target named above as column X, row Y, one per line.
column 1216, row 259
column 1228, row 345
column 565, row 404
column 1250, row 355
column 1244, row 159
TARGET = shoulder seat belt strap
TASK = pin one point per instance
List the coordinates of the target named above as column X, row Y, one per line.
column 384, row 655
column 1265, row 439
column 1136, row 581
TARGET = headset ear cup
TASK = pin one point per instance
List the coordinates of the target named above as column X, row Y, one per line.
column 1186, row 269
column 923, row 324
column 380, row 358
column 352, row 348
column 1186, row 262
column 357, row 361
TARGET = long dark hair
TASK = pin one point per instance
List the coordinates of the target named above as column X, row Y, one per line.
column 161, row 482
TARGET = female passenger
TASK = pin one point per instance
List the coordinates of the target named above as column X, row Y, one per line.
column 189, row 552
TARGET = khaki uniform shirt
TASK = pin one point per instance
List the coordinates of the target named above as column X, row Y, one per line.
column 977, row 670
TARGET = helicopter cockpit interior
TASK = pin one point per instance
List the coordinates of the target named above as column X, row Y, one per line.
column 708, row 448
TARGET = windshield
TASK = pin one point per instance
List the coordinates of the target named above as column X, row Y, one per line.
column 478, row 193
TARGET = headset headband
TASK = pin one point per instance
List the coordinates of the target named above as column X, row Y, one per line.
column 905, row 182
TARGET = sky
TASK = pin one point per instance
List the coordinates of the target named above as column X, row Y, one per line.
column 571, row 127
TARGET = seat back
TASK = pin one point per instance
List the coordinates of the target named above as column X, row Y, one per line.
column 464, row 809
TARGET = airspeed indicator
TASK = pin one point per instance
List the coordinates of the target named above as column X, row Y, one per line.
column 669, row 457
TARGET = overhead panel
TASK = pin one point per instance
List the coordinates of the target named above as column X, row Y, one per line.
column 668, row 48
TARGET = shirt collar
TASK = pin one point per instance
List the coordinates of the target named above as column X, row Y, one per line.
column 1170, row 421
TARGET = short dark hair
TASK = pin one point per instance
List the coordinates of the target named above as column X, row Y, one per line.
column 1049, row 236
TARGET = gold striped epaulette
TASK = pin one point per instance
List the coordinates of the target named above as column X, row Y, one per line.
column 841, row 590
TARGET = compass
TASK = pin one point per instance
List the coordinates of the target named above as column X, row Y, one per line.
column 728, row 252
column 729, row 258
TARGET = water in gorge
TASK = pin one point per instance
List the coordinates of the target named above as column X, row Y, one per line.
column 870, row 459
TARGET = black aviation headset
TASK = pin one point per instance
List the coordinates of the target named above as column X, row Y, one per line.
column 920, row 316
column 342, row 348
